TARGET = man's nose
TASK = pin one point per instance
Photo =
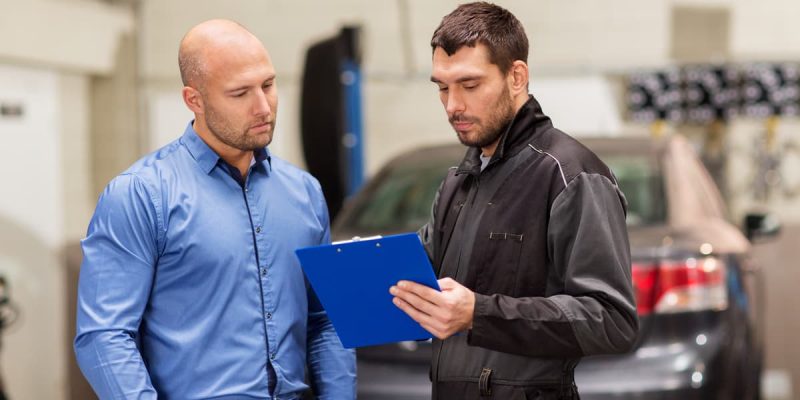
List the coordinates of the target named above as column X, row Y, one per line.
column 261, row 105
column 454, row 103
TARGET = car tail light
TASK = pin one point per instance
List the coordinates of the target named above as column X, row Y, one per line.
column 672, row 286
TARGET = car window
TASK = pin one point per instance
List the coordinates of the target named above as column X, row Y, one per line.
column 641, row 182
column 401, row 202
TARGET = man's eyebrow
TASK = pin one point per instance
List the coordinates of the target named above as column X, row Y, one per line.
column 459, row 80
column 245, row 87
column 238, row 88
column 468, row 78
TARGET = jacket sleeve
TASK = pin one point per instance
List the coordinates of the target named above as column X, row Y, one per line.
column 119, row 256
column 426, row 232
column 590, row 307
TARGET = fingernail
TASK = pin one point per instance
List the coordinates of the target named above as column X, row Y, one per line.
column 402, row 284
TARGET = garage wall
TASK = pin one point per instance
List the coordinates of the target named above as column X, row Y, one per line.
column 570, row 41
column 46, row 64
column 77, row 35
column 401, row 106
column 31, row 229
column 765, row 30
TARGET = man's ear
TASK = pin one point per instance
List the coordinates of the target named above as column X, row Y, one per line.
column 193, row 99
column 518, row 78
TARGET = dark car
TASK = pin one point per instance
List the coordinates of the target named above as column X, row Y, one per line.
column 697, row 289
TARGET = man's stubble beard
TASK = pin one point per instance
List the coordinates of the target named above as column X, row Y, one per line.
column 498, row 120
column 226, row 133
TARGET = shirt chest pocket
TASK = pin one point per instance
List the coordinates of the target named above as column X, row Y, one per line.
column 499, row 262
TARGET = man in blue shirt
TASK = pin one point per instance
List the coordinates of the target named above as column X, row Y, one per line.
column 189, row 287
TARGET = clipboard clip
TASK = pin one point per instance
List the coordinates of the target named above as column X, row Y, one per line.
column 357, row 239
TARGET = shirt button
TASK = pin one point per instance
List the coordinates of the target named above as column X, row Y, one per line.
column 269, row 315
column 258, row 229
column 272, row 356
column 263, row 272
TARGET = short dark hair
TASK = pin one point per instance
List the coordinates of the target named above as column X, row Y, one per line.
column 484, row 23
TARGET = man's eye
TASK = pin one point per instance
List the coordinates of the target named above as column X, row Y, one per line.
column 470, row 87
column 443, row 89
column 239, row 94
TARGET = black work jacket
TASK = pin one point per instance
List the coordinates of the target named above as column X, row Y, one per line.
column 540, row 237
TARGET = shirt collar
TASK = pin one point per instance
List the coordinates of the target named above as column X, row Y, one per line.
column 207, row 158
column 263, row 154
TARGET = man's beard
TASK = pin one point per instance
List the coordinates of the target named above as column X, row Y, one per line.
column 495, row 124
column 223, row 130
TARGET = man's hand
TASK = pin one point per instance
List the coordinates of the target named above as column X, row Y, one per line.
column 440, row 313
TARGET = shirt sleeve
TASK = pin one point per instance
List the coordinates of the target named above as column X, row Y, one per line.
column 332, row 368
column 592, row 310
column 119, row 255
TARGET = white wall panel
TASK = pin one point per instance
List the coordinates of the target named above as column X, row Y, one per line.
column 79, row 35
column 766, row 30
column 76, row 168
column 286, row 28
column 30, row 149
column 574, row 35
column 401, row 116
column 31, row 233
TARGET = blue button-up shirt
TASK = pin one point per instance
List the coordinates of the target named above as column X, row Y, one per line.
column 190, row 288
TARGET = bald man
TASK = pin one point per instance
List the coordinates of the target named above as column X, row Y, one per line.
column 189, row 288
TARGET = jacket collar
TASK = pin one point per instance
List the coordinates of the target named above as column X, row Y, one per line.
column 528, row 122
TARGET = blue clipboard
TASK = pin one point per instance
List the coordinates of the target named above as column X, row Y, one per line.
column 352, row 281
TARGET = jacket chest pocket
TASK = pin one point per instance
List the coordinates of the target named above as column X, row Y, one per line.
column 499, row 262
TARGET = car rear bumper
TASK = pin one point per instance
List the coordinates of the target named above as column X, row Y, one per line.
column 382, row 381
column 678, row 370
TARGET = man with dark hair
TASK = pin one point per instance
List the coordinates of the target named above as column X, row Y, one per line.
column 189, row 287
column 527, row 235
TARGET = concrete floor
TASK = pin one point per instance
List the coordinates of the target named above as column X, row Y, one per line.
column 779, row 260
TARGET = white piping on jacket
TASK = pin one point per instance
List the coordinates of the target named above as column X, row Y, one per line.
column 561, row 170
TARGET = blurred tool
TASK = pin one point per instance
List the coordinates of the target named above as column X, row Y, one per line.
column 8, row 315
column 331, row 115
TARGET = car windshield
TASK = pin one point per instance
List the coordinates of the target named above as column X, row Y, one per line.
column 401, row 200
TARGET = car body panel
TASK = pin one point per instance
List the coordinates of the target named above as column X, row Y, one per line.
column 681, row 215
